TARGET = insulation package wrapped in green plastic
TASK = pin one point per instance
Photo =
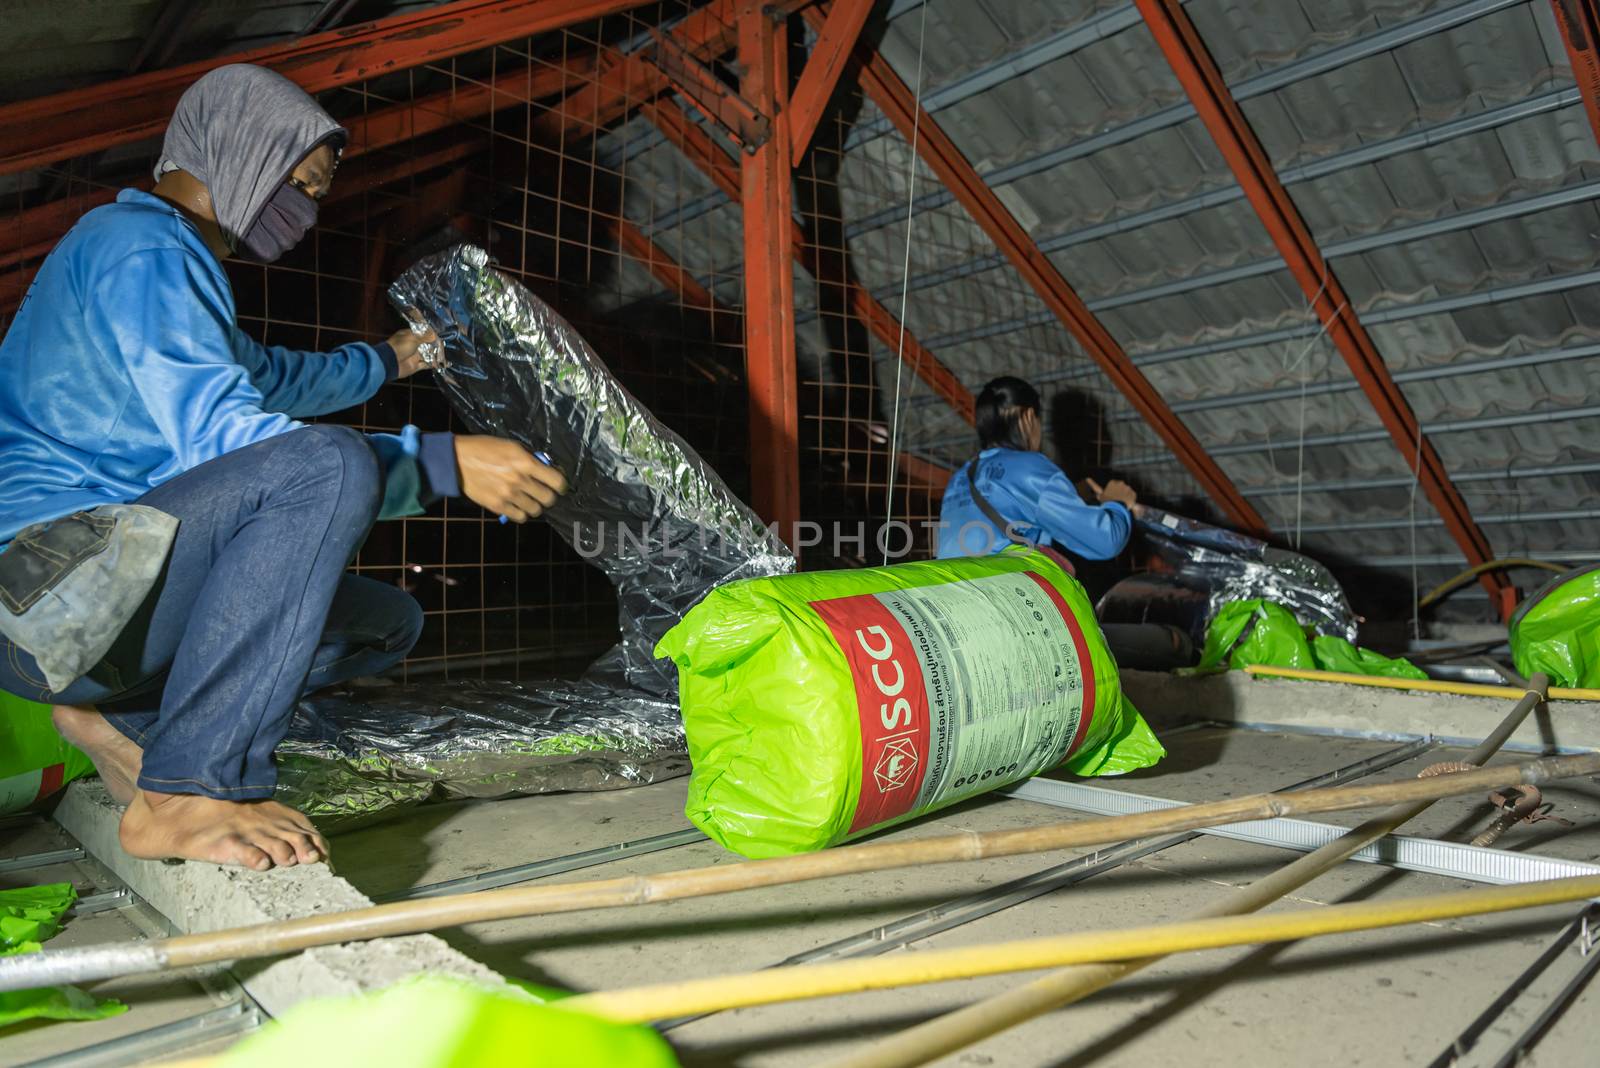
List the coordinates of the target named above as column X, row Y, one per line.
column 35, row 761
column 1557, row 630
column 1256, row 631
column 822, row 706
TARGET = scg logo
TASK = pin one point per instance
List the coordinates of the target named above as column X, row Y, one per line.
column 895, row 711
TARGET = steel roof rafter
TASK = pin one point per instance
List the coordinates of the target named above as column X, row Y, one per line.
column 1579, row 21
column 1202, row 80
column 704, row 153
column 896, row 100
column 77, row 122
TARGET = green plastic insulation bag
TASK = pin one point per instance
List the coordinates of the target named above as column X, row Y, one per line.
column 1255, row 631
column 437, row 1021
column 35, row 761
column 825, row 705
column 1557, row 630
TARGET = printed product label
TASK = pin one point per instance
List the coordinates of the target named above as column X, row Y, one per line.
column 17, row 792
column 960, row 688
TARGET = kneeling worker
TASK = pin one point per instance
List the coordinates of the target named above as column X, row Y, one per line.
column 1020, row 494
column 125, row 380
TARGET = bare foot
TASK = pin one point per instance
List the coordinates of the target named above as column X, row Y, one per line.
column 115, row 756
column 248, row 834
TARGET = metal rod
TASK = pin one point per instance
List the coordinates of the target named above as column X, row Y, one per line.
column 41, row 860
column 1258, row 85
column 1553, row 1008
column 1397, row 313
column 539, row 869
column 961, row 1028
column 1402, row 481
column 161, row 1042
column 1349, row 385
column 1083, row 949
column 1349, row 437
column 1452, row 860
column 50, row 967
column 897, row 934
column 1385, row 238
column 1465, row 1042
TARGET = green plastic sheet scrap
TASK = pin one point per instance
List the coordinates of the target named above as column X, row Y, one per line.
column 443, row 1022
column 1557, row 630
column 1256, row 631
column 28, row 916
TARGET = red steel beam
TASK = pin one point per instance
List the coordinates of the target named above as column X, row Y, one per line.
column 466, row 102
column 80, row 121
column 1580, row 32
column 892, row 96
column 33, row 232
column 1201, row 78
column 627, row 81
column 820, row 76
column 668, row 271
column 349, row 184
column 703, row 152
column 766, row 182
column 624, row 80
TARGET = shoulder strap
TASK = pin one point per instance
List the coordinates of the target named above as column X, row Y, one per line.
column 989, row 511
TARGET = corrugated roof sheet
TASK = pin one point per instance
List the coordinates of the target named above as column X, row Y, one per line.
column 1438, row 152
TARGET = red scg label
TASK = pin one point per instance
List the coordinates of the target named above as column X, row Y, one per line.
column 891, row 700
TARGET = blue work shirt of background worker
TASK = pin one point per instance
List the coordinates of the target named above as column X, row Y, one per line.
column 1038, row 499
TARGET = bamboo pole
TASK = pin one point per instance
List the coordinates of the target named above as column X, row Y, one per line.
column 1464, row 689
column 52, row 966
column 956, row 1030
column 665, row 1001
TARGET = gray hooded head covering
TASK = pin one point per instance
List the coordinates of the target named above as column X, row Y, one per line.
column 242, row 130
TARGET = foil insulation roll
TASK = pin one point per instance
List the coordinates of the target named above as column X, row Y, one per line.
column 641, row 505
column 1201, row 568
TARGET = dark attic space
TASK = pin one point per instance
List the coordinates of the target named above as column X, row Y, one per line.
column 766, row 533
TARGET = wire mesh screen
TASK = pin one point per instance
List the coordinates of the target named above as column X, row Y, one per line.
column 518, row 149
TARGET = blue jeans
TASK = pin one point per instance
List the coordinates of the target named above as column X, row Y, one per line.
column 253, row 610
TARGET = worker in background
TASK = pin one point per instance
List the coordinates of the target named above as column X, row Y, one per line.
column 160, row 499
column 1021, row 495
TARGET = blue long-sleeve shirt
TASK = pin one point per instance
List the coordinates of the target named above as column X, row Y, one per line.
column 125, row 367
column 1031, row 492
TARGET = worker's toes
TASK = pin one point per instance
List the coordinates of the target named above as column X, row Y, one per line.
column 277, row 846
column 236, row 849
column 308, row 848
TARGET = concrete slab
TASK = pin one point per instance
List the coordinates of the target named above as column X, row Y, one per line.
column 206, row 897
column 1384, row 998
column 1234, row 697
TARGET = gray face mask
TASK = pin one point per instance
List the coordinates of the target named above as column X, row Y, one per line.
column 282, row 224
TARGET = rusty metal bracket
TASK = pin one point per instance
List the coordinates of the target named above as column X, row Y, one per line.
column 746, row 126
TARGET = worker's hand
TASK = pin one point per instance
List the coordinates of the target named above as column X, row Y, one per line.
column 505, row 478
column 407, row 345
column 1115, row 490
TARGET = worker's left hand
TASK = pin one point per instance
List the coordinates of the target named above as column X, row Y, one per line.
column 1115, row 490
column 407, row 345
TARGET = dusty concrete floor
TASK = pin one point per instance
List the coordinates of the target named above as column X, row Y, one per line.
column 1386, row 998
